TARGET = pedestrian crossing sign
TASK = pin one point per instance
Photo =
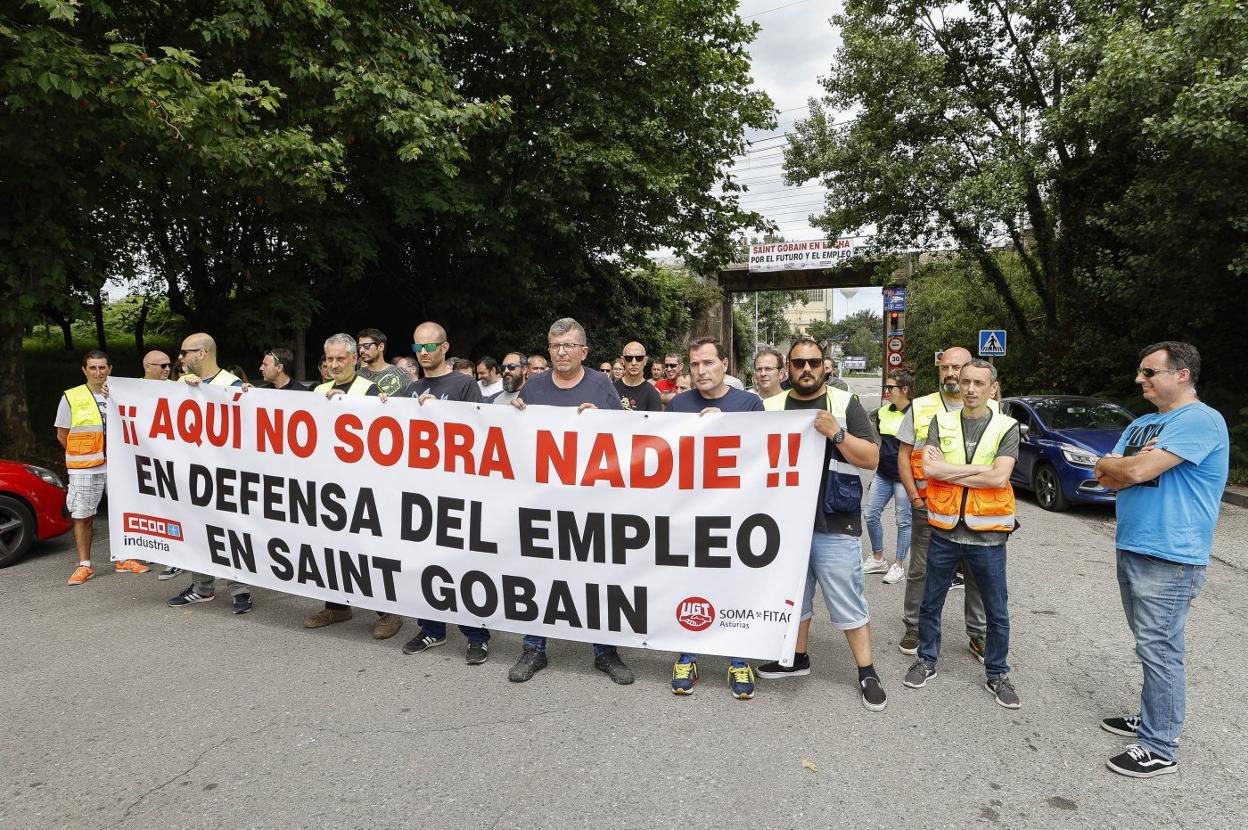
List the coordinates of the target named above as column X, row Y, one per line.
column 992, row 342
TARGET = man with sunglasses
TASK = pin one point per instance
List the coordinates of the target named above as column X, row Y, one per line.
column 513, row 377
column 156, row 366
column 911, row 436
column 635, row 393
column 568, row 384
column 835, row 546
column 673, row 368
column 442, row 383
column 199, row 358
column 391, row 380
column 1170, row 470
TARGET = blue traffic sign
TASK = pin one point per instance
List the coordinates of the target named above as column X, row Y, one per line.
column 894, row 299
column 992, row 342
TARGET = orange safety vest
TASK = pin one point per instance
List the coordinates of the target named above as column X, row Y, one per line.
column 84, row 446
column 980, row 508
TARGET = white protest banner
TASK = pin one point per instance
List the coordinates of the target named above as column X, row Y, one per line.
column 788, row 256
column 663, row 531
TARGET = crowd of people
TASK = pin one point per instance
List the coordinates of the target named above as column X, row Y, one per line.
column 944, row 459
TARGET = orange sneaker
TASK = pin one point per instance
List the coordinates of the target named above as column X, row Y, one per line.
column 133, row 566
column 80, row 575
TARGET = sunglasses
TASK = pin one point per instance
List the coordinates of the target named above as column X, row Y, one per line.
column 807, row 362
column 417, row 348
column 634, row 358
column 511, row 367
column 1148, row 373
column 159, row 365
column 672, row 365
column 185, row 352
column 890, row 387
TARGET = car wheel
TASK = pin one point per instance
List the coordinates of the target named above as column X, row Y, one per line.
column 17, row 530
column 1048, row 489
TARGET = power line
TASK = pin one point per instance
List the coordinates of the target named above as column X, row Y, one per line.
column 776, row 9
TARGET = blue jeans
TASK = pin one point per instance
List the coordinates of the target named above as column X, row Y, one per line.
column 1156, row 596
column 883, row 489
column 437, row 628
column 987, row 563
column 539, row 643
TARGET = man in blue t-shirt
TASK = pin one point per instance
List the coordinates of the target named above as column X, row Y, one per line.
column 568, row 384
column 1170, row 469
column 708, row 367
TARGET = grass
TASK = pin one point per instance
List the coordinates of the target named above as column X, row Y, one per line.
column 1238, row 477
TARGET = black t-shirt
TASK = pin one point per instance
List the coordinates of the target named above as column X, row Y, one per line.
column 857, row 424
column 640, row 398
column 735, row 400
column 593, row 387
column 453, row 386
column 293, row 386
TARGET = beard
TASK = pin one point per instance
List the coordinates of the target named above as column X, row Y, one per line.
column 511, row 383
column 950, row 387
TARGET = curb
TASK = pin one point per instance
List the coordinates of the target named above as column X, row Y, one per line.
column 1237, row 496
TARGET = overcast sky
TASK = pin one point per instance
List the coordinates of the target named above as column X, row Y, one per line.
column 793, row 50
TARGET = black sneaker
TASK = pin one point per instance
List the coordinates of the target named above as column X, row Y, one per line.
column 909, row 642
column 1126, row 727
column 421, row 643
column 189, row 597
column 477, row 653
column 921, row 672
column 873, row 696
column 242, row 603
column 610, row 663
column 1138, row 762
column 773, row 670
column 168, row 573
column 530, row 663
column 1003, row 690
column 959, row 581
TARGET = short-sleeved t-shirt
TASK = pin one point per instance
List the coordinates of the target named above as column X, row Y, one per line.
column 640, row 398
column 857, row 424
column 735, row 401
column 453, row 386
column 64, row 418
column 392, row 380
column 593, row 387
column 664, row 385
column 972, row 431
column 1173, row 516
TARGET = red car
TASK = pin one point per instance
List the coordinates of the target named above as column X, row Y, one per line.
column 32, row 506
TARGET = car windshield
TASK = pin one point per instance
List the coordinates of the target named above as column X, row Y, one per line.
column 1082, row 414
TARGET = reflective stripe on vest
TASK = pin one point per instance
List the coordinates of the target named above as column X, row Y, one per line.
column 925, row 409
column 838, row 402
column 359, row 386
column 982, row 509
column 890, row 419
column 84, row 446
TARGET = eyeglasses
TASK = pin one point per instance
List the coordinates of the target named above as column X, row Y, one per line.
column 808, row 362
column 369, row 344
column 511, row 367
column 634, row 358
column 565, row 347
column 417, row 348
column 1148, row 373
column 185, row 352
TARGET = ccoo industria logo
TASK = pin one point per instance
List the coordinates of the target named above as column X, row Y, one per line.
column 153, row 526
column 695, row 613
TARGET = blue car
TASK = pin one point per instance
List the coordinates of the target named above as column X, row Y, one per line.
column 1065, row 436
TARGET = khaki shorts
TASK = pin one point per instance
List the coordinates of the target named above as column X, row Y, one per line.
column 85, row 492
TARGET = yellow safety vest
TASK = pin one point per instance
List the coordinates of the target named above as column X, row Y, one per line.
column 221, row 378
column 838, row 402
column 359, row 386
column 981, row 508
column 890, row 419
column 925, row 409
column 84, row 446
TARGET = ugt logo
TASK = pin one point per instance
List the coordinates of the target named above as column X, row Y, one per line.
column 695, row 613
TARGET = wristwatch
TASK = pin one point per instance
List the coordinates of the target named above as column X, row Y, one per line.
column 839, row 437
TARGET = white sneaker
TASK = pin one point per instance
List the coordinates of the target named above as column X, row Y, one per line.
column 896, row 573
column 871, row 565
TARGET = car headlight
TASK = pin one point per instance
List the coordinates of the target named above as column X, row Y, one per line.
column 1079, row 456
column 45, row 474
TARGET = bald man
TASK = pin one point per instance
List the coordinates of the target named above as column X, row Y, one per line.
column 156, row 366
column 913, row 433
column 635, row 393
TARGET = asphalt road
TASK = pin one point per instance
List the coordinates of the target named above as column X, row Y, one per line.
column 119, row 712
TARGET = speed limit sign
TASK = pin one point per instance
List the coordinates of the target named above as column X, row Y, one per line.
column 894, row 359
